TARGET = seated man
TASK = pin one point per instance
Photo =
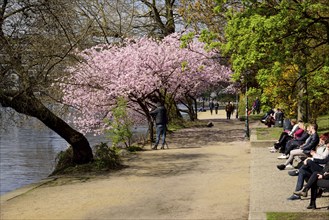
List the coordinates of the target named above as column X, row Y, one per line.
column 310, row 166
column 278, row 117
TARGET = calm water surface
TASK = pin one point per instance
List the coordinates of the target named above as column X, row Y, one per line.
column 27, row 154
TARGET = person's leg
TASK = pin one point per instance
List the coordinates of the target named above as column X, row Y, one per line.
column 286, row 140
column 290, row 147
column 311, row 181
column 283, row 148
column 292, row 155
column 282, row 136
column 304, row 172
column 324, row 183
column 164, row 128
column 157, row 140
column 314, row 189
column 314, row 166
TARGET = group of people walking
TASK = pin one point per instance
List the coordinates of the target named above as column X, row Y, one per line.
column 229, row 108
column 300, row 143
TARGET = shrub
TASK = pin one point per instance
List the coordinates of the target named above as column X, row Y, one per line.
column 106, row 157
column 64, row 159
column 120, row 131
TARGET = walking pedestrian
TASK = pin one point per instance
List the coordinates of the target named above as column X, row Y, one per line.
column 229, row 109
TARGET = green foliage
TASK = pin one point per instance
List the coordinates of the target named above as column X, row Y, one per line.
column 120, row 131
column 180, row 123
column 323, row 123
column 283, row 44
column 186, row 39
column 64, row 159
column 134, row 148
column 210, row 39
column 106, row 157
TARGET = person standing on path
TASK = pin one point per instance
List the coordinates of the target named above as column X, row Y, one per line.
column 161, row 120
column 229, row 109
column 211, row 106
column 216, row 107
column 256, row 106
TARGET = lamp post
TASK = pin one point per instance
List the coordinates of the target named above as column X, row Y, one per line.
column 237, row 105
column 247, row 135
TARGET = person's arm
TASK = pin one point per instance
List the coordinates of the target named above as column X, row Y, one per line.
column 321, row 161
column 310, row 145
column 293, row 130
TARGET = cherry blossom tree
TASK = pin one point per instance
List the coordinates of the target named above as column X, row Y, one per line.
column 138, row 70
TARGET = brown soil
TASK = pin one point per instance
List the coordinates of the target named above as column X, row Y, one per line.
column 203, row 175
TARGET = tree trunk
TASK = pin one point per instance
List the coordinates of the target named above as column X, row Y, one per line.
column 302, row 105
column 195, row 108
column 26, row 103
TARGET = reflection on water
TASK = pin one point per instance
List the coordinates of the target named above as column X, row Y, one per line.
column 27, row 154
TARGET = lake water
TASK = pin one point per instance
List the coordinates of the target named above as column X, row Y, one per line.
column 27, row 153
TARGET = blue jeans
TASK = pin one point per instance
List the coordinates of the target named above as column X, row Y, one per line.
column 160, row 129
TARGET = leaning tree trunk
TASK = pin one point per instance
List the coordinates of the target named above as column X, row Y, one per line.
column 26, row 103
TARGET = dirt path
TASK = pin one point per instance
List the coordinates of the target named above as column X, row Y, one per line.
column 203, row 175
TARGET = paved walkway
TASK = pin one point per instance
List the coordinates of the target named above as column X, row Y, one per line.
column 270, row 187
column 220, row 115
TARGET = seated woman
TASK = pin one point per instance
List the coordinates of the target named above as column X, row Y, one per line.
column 300, row 137
column 312, row 143
column 285, row 136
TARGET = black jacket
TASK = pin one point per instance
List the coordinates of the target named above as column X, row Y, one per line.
column 311, row 144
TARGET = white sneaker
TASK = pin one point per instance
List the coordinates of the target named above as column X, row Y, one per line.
column 283, row 156
column 289, row 167
column 273, row 150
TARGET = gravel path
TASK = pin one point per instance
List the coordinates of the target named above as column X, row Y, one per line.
column 203, row 175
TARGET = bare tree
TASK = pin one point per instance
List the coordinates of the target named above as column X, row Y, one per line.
column 114, row 20
column 36, row 38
